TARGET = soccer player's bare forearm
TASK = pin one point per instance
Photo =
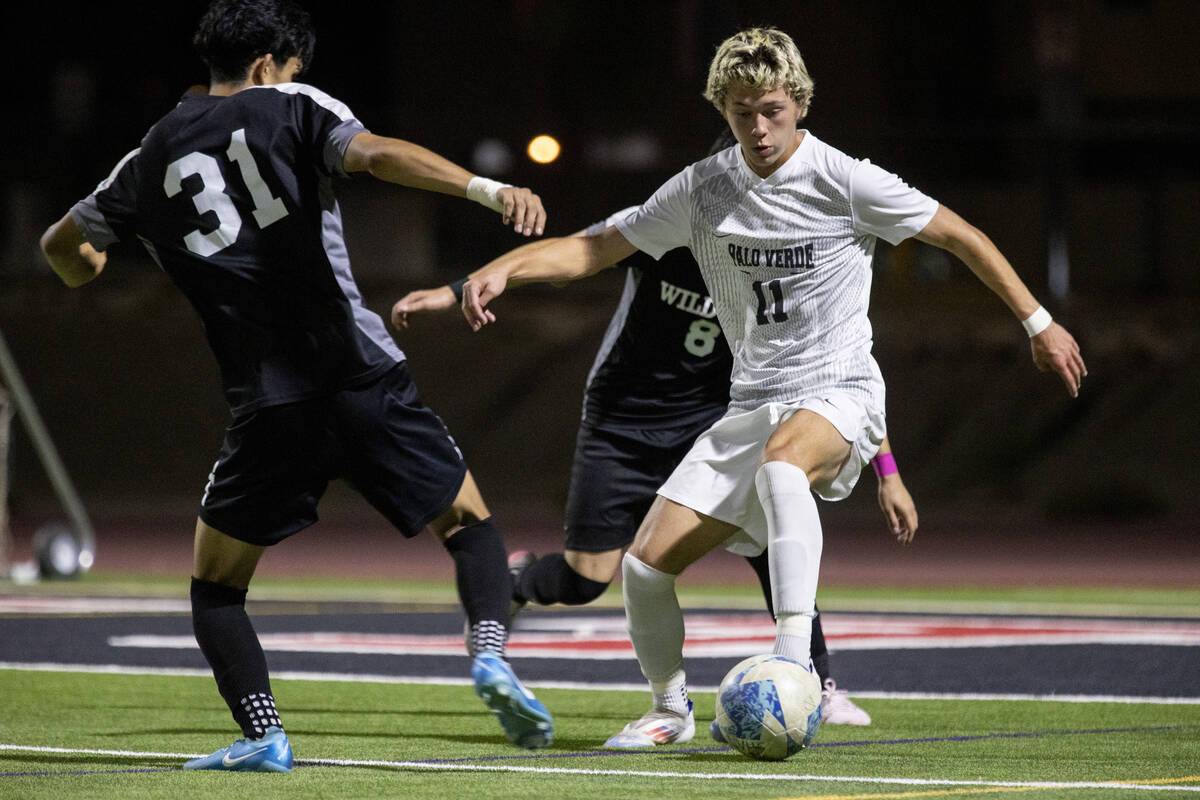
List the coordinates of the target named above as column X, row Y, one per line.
column 547, row 261
column 74, row 260
column 405, row 163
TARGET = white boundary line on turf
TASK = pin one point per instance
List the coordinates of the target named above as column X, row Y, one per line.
column 634, row 773
column 342, row 677
column 736, row 776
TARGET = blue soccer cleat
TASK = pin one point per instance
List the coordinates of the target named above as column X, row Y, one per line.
column 525, row 720
column 271, row 753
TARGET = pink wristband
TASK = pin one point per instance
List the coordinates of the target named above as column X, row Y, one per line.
column 884, row 464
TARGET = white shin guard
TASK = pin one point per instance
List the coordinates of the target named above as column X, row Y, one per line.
column 655, row 623
column 794, row 542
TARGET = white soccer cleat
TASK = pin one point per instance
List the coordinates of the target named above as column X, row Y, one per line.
column 838, row 709
column 654, row 728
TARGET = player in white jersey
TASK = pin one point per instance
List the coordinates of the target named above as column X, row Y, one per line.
column 783, row 227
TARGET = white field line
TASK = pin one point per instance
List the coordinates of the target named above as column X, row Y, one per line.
column 346, row 677
column 459, row 766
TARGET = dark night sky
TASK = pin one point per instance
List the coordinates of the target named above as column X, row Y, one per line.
column 984, row 105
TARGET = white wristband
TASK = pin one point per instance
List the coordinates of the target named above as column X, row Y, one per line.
column 1037, row 322
column 486, row 192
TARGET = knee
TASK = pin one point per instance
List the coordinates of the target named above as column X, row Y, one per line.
column 208, row 594
column 638, row 576
column 583, row 591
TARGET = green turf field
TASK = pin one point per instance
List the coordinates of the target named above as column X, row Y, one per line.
column 90, row 735
column 67, row 735
column 1072, row 600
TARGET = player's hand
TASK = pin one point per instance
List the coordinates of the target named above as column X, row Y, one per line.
column 898, row 508
column 1055, row 350
column 523, row 209
column 421, row 300
column 477, row 293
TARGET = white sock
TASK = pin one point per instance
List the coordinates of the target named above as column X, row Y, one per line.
column 655, row 624
column 793, row 637
column 794, row 553
column 671, row 696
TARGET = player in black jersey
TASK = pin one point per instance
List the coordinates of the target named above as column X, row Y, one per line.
column 232, row 194
column 660, row 379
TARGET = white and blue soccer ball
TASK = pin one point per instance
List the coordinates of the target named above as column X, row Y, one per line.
column 769, row 707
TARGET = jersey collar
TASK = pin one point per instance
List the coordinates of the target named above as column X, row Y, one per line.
column 788, row 168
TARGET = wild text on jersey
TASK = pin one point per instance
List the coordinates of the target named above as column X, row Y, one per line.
column 686, row 300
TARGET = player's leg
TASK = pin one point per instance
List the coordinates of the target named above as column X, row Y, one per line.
column 761, row 564
column 481, row 576
column 485, row 589
column 819, row 651
column 222, row 568
column 804, row 450
column 398, row 454
column 572, row 577
column 264, row 487
column 614, row 478
column 670, row 538
column 836, row 706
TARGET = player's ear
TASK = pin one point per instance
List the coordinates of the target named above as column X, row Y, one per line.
column 262, row 70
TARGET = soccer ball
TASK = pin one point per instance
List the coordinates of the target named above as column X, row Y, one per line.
column 769, row 707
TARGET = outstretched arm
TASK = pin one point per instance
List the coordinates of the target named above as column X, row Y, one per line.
column 550, row 260
column 408, row 164
column 439, row 299
column 422, row 300
column 1053, row 348
column 69, row 254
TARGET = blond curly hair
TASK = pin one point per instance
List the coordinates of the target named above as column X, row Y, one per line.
column 765, row 59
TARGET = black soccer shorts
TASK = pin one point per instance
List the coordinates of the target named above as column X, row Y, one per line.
column 614, row 479
column 276, row 462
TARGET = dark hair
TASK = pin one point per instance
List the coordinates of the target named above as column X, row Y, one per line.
column 232, row 33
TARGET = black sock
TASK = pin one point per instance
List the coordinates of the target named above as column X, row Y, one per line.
column 762, row 569
column 231, row 647
column 484, row 585
column 820, row 653
column 551, row 580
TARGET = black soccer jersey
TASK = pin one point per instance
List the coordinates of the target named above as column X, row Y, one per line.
column 233, row 198
column 664, row 363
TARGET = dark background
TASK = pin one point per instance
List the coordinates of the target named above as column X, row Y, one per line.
column 1068, row 127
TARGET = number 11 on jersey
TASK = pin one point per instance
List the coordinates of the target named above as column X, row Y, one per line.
column 770, row 309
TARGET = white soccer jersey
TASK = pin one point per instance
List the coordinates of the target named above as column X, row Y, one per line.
column 787, row 261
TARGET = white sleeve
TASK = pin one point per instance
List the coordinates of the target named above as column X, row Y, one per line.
column 597, row 227
column 885, row 206
column 663, row 222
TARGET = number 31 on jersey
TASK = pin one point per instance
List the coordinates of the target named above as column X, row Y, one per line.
column 213, row 197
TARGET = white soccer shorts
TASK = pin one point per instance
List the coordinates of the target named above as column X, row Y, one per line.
column 716, row 477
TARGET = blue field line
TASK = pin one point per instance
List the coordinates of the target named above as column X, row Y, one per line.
column 857, row 743
column 55, row 773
